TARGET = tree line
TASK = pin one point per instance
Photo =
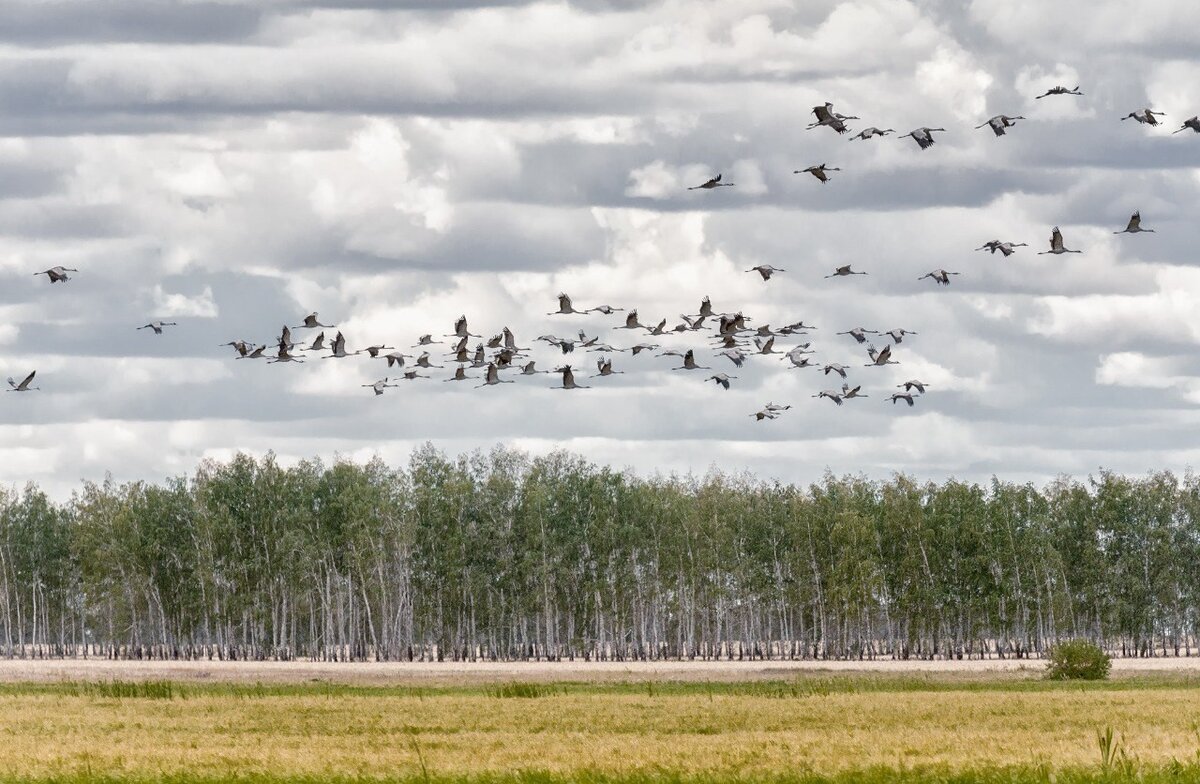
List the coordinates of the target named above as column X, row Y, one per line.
column 505, row 556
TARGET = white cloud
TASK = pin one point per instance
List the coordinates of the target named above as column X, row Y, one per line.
column 393, row 168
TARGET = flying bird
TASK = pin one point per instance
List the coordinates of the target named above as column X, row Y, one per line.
column 310, row 322
column 631, row 321
column 284, row 355
column 897, row 335
column 818, row 172
column 604, row 368
column 766, row 270
column 492, row 377
column 380, row 385
column 831, row 394
column 568, row 378
column 1000, row 122
column 1135, row 225
column 157, row 326
column 940, row 276
column 1056, row 244
column 765, row 346
column 842, row 272
column 57, row 274
column 395, row 358
column 715, row 182
column 339, row 348
column 373, row 351
column 607, row 310
column 240, row 346
column 530, row 369
column 689, row 362
column 721, row 379
column 1005, row 248
column 736, row 356
column 423, row 362
column 1145, row 116
column 923, row 136
column 867, row 133
column 849, row 393
column 912, row 384
column 826, row 116
column 565, row 308
column 881, row 357
column 24, row 385
column 1192, row 122
column 798, row 360
column 460, row 329
column 835, row 368
column 859, row 334
column 907, row 398
column 1060, row 90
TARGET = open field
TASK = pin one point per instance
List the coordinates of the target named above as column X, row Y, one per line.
column 802, row 726
column 453, row 673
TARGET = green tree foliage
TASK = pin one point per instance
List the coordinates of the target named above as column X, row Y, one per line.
column 501, row 555
column 1078, row 660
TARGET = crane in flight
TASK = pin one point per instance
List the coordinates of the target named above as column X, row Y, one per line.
column 715, row 182
column 1134, row 226
column 1056, row 244
column 24, row 385
column 1060, row 90
column 157, row 326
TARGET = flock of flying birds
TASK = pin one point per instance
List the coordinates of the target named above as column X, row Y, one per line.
column 732, row 339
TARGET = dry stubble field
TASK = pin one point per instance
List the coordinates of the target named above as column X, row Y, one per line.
column 73, row 721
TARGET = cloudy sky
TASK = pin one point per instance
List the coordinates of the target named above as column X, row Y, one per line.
column 234, row 166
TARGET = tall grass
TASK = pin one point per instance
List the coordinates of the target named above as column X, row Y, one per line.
column 1168, row 774
column 816, row 684
column 519, row 690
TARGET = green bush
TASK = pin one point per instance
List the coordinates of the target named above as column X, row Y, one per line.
column 1077, row 660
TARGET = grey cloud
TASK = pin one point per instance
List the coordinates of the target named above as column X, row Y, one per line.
column 72, row 22
column 248, row 150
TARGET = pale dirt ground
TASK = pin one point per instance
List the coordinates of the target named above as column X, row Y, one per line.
column 450, row 673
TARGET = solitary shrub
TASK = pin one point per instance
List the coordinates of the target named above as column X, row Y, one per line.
column 1078, row 660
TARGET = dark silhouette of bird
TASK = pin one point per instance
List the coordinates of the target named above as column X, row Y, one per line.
column 1060, row 90
column 157, row 326
column 715, row 182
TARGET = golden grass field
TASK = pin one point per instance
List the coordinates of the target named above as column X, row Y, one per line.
column 815, row 722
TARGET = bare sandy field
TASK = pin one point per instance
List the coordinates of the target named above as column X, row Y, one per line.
column 451, row 673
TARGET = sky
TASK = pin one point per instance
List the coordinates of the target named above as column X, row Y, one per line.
column 234, row 166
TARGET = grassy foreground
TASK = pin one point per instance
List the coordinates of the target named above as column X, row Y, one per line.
column 810, row 729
